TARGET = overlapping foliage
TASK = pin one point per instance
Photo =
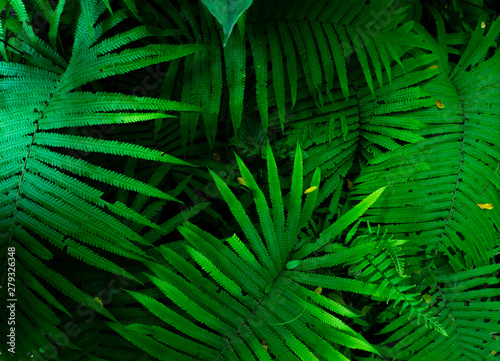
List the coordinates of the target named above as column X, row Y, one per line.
column 309, row 108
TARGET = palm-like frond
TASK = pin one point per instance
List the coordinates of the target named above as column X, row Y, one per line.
column 468, row 325
column 49, row 200
column 243, row 296
column 300, row 44
column 437, row 187
column 445, row 177
column 411, row 122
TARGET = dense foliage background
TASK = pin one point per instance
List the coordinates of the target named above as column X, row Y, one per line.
column 147, row 169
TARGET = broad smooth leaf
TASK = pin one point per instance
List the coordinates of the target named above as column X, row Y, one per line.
column 227, row 12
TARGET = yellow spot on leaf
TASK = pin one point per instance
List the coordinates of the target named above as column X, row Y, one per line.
column 365, row 310
column 452, row 318
column 311, row 189
column 427, row 298
column 417, row 271
column 483, row 24
column 216, row 157
column 349, row 184
column 98, row 301
column 439, row 104
column 486, row 206
column 242, row 181
column 318, row 290
column 264, row 344
column 433, row 67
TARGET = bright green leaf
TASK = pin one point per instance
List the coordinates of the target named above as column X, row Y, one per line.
column 227, row 12
column 293, row 264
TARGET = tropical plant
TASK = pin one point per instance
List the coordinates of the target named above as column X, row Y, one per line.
column 256, row 292
column 46, row 206
column 363, row 109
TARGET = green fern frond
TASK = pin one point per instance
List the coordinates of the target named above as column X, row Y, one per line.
column 248, row 297
column 466, row 323
column 54, row 203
